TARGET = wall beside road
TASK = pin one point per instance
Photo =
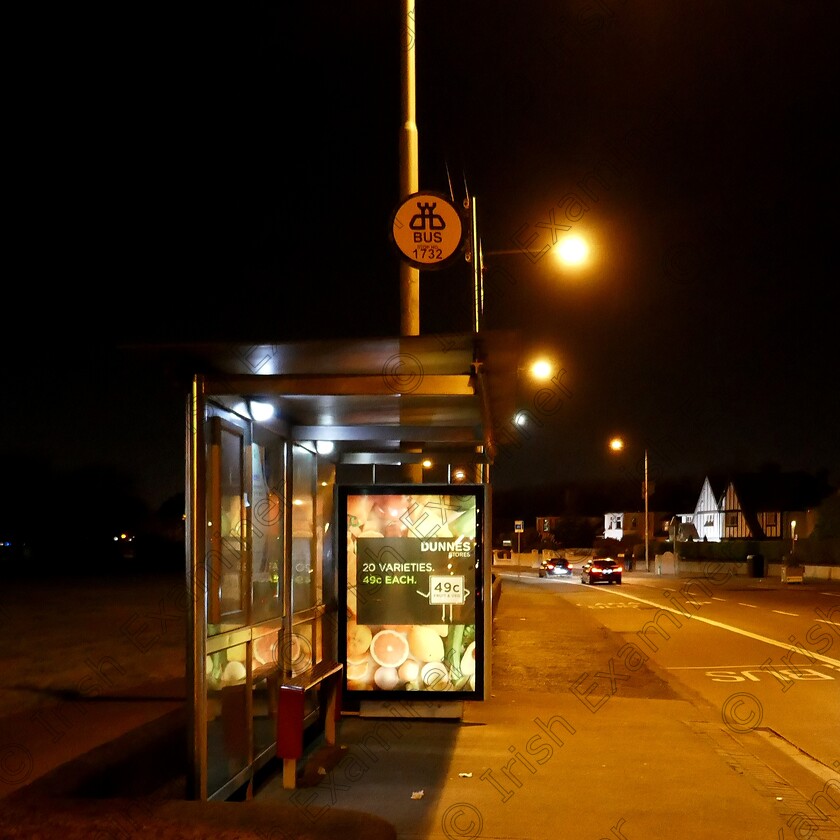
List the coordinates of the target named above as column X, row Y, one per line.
column 704, row 568
column 811, row 551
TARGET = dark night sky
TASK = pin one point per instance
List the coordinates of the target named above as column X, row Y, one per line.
column 231, row 176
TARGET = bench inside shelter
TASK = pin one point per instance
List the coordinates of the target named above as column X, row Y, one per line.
column 293, row 718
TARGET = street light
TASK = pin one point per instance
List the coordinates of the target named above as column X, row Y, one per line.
column 572, row 250
column 617, row 444
column 541, row 369
column 792, row 538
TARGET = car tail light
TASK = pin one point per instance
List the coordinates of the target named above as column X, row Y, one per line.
column 619, row 568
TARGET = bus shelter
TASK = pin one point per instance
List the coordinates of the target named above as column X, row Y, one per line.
column 281, row 439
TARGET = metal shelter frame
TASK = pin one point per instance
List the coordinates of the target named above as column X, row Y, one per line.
column 385, row 405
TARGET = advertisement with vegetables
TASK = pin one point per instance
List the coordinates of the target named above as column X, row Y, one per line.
column 413, row 571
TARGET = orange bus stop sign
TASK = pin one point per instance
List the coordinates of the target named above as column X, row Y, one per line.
column 427, row 230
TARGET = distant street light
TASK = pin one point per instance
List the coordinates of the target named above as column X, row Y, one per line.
column 617, row 445
column 792, row 538
column 541, row 369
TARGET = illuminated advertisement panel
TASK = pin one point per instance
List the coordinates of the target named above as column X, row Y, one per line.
column 411, row 578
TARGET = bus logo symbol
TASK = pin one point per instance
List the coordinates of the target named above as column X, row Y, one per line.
column 427, row 230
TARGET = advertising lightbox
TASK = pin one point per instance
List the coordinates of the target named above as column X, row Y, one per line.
column 411, row 576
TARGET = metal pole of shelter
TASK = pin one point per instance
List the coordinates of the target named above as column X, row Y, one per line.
column 478, row 269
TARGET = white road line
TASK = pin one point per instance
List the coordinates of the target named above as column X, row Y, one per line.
column 751, row 667
column 826, row 621
column 715, row 598
column 751, row 606
column 785, row 646
column 709, row 667
column 832, row 594
column 782, row 612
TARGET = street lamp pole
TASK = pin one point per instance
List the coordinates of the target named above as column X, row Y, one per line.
column 409, row 167
column 617, row 444
column 571, row 251
column 647, row 534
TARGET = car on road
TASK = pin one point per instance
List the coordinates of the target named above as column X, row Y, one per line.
column 605, row 570
column 555, row 567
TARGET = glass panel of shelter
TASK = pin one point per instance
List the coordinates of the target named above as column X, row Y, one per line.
column 267, row 494
column 245, row 579
column 226, row 568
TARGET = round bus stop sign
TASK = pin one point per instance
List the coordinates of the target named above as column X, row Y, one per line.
column 427, row 230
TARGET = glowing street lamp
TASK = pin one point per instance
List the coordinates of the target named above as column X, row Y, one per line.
column 792, row 537
column 572, row 250
column 617, row 445
column 541, row 369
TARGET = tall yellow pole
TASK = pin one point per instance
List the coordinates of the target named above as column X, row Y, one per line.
column 647, row 527
column 409, row 177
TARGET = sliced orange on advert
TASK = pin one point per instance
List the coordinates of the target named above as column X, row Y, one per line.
column 360, row 673
column 359, row 637
column 389, row 648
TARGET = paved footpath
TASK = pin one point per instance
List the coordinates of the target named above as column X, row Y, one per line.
column 536, row 761
column 533, row 761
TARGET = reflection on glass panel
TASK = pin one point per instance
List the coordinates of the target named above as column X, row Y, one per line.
column 304, row 576
column 324, row 518
column 232, row 522
column 265, row 653
column 265, row 713
column 296, row 650
column 298, row 655
column 227, row 715
column 266, row 676
column 267, row 532
column 326, row 634
column 227, row 588
column 302, row 571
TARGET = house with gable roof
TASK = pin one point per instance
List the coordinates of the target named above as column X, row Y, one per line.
column 755, row 506
column 708, row 517
column 765, row 505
